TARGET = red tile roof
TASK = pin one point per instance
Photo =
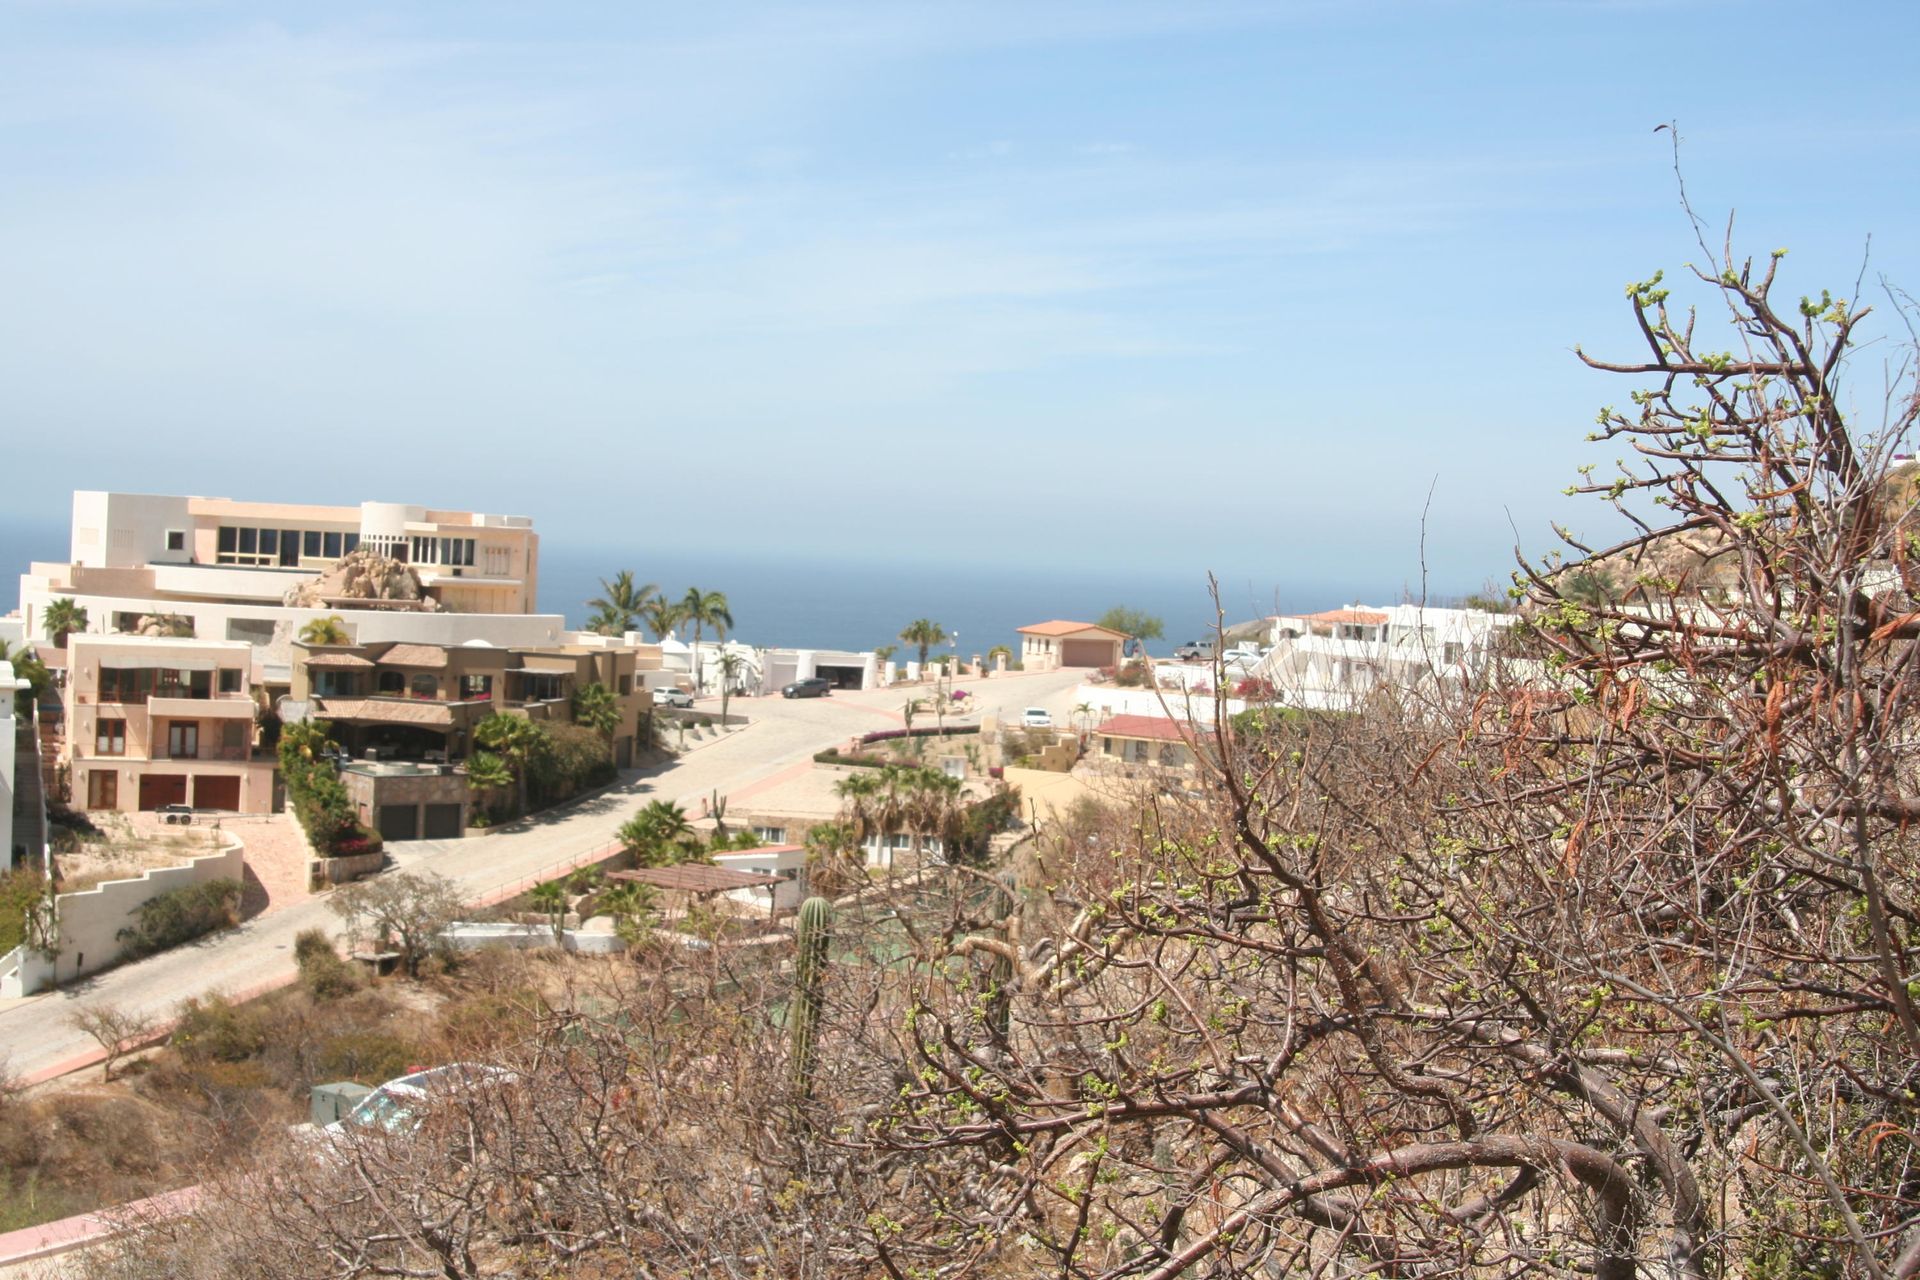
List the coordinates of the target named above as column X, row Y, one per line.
column 1061, row 628
column 1153, row 728
column 1356, row 617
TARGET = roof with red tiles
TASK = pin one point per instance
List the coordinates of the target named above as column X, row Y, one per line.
column 1152, row 728
column 1059, row 627
column 1356, row 617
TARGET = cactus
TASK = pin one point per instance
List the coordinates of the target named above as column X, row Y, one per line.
column 812, row 933
column 1000, row 972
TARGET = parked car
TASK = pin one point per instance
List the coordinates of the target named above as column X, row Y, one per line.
column 1036, row 718
column 182, row 814
column 1244, row 654
column 1194, row 651
column 813, row 687
column 672, row 698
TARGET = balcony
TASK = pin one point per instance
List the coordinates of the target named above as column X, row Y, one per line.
column 228, row 755
column 225, row 706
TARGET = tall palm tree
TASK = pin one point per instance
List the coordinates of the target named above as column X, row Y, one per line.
column 516, row 740
column 834, row 864
column 1083, row 716
column 658, row 834
column 704, row 609
column 487, row 772
column 661, row 615
column 62, row 618
column 861, row 805
column 930, row 807
column 923, row 633
column 620, row 604
column 26, row 666
column 327, row 630
column 731, row 665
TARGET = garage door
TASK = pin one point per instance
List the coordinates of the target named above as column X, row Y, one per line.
column 841, row 677
column 443, row 822
column 1086, row 653
column 399, row 822
column 217, row 793
column 157, row 789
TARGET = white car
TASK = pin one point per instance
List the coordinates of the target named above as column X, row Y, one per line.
column 672, row 698
column 1036, row 718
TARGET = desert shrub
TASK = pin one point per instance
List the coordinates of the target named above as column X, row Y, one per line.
column 370, row 1057
column 577, row 758
column 214, row 1029
column 362, row 839
column 832, row 756
column 322, row 972
column 20, row 891
column 1134, row 675
column 180, row 915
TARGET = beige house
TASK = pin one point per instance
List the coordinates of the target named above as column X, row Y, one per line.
column 1048, row 646
column 153, row 722
column 1144, row 740
column 401, row 701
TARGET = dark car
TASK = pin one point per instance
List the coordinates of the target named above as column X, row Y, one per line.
column 815, row 687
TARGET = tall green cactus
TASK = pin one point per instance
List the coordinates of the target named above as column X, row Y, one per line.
column 1000, row 972
column 812, row 934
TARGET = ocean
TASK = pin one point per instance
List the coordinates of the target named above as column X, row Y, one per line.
column 830, row 603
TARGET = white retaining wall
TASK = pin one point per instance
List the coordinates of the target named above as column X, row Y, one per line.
column 530, row 937
column 91, row 921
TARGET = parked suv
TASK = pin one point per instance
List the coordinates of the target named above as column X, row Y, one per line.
column 1036, row 718
column 1194, row 650
column 813, row 687
column 672, row 698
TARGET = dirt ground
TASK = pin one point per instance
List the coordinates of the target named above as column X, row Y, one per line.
column 131, row 843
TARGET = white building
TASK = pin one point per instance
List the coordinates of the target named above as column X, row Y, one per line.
column 227, row 567
column 1333, row 660
column 10, row 685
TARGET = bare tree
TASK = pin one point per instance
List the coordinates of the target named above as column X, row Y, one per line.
column 117, row 1030
column 405, row 910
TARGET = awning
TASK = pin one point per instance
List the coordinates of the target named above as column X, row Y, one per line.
column 421, row 714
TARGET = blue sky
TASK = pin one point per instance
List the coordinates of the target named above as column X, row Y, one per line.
column 1180, row 286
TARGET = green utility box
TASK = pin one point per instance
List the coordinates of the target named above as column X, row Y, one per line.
column 332, row 1101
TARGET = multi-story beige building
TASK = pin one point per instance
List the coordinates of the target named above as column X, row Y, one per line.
column 225, row 570
column 152, row 722
column 403, row 701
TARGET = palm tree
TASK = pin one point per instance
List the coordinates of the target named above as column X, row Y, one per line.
column 630, row 905
column 999, row 651
column 26, row 666
column 62, row 618
column 516, row 740
column 487, row 773
column 884, row 654
column 833, row 858
column 658, row 834
column 327, row 630
column 924, row 633
column 704, row 609
column 1083, row 716
column 930, row 806
column 595, row 708
column 862, row 803
column 619, row 605
column 661, row 616
column 731, row 665
column 551, row 898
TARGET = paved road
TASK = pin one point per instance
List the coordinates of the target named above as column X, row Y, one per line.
column 36, row 1036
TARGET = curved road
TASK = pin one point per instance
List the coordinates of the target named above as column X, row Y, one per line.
column 37, row 1039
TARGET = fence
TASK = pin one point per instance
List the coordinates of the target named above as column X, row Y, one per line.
column 513, row 888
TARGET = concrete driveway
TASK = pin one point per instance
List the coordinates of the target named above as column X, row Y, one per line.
column 38, row 1040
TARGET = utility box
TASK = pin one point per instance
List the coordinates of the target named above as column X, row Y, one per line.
column 331, row 1102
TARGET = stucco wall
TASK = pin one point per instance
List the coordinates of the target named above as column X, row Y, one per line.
column 90, row 921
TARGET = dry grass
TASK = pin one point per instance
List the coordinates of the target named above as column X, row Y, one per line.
column 129, row 849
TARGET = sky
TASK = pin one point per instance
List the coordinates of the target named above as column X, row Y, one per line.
column 1274, row 290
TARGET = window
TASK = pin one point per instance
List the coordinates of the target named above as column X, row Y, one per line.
column 230, row 680
column 269, row 542
column 424, row 686
column 310, row 544
column 542, row 686
column 393, row 682
column 476, row 688
column 332, row 543
column 176, row 540
column 109, row 737
column 229, row 540
column 350, row 541
column 771, row 835
column 626, row 685
column 103, row 789
column 337, row 684
column 233, row 738
column 499, row 561
column 183, row 739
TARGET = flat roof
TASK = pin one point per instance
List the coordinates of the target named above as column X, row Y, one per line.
column 696, row 877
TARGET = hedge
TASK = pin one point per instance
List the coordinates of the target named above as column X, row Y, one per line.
column 949, row 731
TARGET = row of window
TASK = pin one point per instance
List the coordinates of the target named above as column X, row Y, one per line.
column 137, row 684
column 245, row 544
column 447, row 551
column 183, row 738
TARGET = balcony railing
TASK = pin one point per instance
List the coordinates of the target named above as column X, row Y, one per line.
column 231, row 755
